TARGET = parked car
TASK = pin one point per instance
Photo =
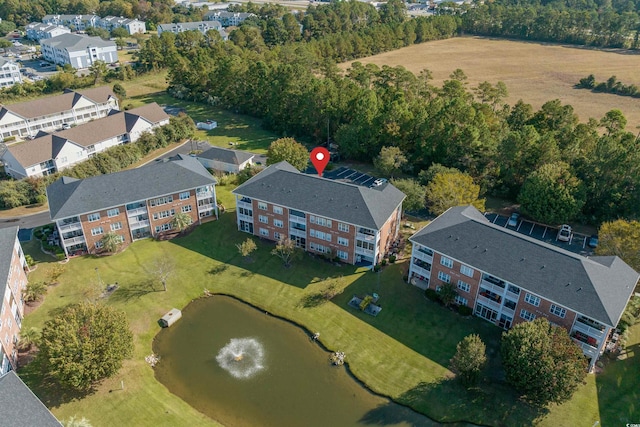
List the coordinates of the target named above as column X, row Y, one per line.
column 593, row 241
column 66, row 126
column 378, row 182
column 564, row 234
column 513, row 219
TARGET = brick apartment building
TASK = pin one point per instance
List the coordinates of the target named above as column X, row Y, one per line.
column 134, row 204
column 321, row 215
column 13, row 280
column 508, row 277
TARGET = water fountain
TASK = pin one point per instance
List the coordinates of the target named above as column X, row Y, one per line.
column 242, row 357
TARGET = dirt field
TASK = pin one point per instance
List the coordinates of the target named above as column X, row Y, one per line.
column 533, row 72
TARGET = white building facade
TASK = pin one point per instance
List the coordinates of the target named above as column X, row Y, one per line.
column 78, row 51
column 9, row 73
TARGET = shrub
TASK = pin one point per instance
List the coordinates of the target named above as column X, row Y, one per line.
column 392, row 259
column 61, row 256
column 30, row 261
column 432, row 295
column 376, row 268
column 464, row 310
column 383, row 262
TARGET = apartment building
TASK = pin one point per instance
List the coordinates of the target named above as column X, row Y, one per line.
column 132, row 26
column 79, row 51
column 134, row 204
column 508, row 277
column 75, row 22
column 202, row 26
column 9, row 73
column 13, row 280
column 359, row 224
column 46, row 114
column 50, row 153
column 228, row 19
column 39, row 31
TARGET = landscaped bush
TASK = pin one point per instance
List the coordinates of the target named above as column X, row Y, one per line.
column 392, row 259
column 432, row 295
column 464, row 310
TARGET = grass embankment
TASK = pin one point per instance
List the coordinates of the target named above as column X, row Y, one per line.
column 534, row 72
column 402, row 353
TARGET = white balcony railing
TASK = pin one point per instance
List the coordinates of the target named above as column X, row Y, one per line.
column 419, row 270
column 296, row 232
column 586, row 348
column 205, row 208
column 240, row 204
column 204, row 194
column 365, row 237
column 488, row 303
column 137, row 211
column 424, row 257
column 493, row 288
column 508, row 311
column 362, row 251
column 133, row 225
column 588, row 330
column 70, row 227
column 74, row 241
column 245, row 218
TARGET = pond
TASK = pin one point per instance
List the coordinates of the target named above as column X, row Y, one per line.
column 243, row 367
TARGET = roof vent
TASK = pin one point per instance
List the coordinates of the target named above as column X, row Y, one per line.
column 475, row 247
column 450, row 235
column 579, row 289
column 457, row 238
column 522, row 259
column 542, row 267
column 567, row 285
column 485, row 250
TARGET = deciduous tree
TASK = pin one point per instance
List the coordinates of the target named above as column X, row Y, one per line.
column 621, row 238
column 390, row 160
column 286, row 250
column 163, row 268
column 450, row 189
column 247, row 247
column 289, row 150
column 85, row 343
column 542, row 362
column 415, row 193
column 469, row 360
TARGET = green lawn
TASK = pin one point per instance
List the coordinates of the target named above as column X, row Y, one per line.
column 402, row 353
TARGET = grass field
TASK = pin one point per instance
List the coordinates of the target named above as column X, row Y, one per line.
column 533, row 72
column 402, row 353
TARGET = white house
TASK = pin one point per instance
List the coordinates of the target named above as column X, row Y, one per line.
column 132, row 26
column 39, row 31
column 9, row 73
column 228, row 19
column 72, row 107
column 78, row 51
column 50, row 153
column 202, row 26
column 225, row 160
column 77, row 22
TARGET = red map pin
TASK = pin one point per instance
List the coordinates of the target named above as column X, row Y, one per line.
column 320, row 158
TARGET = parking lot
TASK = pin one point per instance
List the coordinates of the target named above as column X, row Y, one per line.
column 577, row 243
column 351, row 176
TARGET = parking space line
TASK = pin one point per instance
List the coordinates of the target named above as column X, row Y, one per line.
column 545, row 232
column 519, row 225
column 532, row 227
column 494, row 219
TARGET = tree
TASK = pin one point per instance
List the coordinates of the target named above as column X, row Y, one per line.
column 97, row 31
column 247, row 247
column 415, row 193
column 448, row 189
column 85, row 343
column 34, row 291
column 120, row 91
column 29, row 338
column 98, row 70
column 542, row 362
column 552, row 194
column 288, row 149
column 390, row 160
column 447, row 294
column 621, row 238
column 119, row 32
column 286, row 250
column 469, row 360
column 163, row 268
column 111, row 242
column 181, row 221
column 76, row 422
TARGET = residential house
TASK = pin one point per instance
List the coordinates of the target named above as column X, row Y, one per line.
column 358, row 224
column 135, row 204
column 20, row 407
column 13, row 280
column 45, row 114
column 39, row 31
column 507, row 277
column 9, row 73
column 74, row 22
column 79, row 51
column 202, row 26
column 132, row 26
column 54, row 152
column 226, row 18
column 225, row 160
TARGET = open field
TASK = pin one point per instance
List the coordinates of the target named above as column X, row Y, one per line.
column 402, row 353
column 534, row 72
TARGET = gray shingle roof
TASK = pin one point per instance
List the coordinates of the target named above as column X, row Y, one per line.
column 7, row 240
column 233, row 157
column 75, row 42
column 598, row 287
column 69, row 196
column 284, row 185
column 20, row 407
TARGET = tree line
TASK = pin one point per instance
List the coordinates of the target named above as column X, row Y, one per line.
column 612, row 85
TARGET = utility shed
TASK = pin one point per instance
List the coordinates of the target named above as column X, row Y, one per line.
column 170, row 318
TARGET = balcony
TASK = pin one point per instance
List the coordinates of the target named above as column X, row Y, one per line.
column 298, row 233
column 365, row 237
column 487, row 302
column 423, row 256
column 67, row 228
column 243, row 204
column 204, row 194
column 586, row 348
column 421, row 271
column 133, row 225
column 588, row 330
column 205, row 208
column 507, row 311
column 74, row 241
column 137, row 211
column 492, row 287
column 245, row 218
column 363, row 251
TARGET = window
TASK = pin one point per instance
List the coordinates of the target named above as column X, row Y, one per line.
column 245, row 211
column 467, row 271
column 342, row 241
column 93, row 217
column 264, row 232
column 263, row 219
column 164, row 214
column 460, row 300
column 116, row 226
column 343, row 227
column 97, row 231
column 320, row 235
column 532, row 299
column 161, row 201
column 186, row 209
column 99, row 244
column 343, row 255
column 318, row 248
column 262, row 206
column 185, row 195
column 277, row 210
column 163, row 227
column 444, row 277
column 446, row 262
column 463, row 286
column 278, row 223
column 320, row 221
column 513, row 290
column 113, row 212
column 365, row 245
column 558, row 311
column 276, row 235
column 526, row 315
